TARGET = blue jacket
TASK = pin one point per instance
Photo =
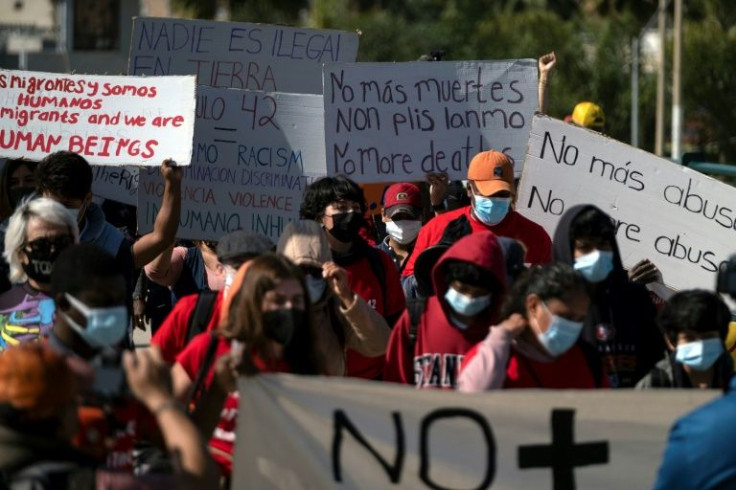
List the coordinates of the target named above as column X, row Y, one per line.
column 700, row 453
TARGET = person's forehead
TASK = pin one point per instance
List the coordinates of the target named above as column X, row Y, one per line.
column 104, row 291
column 38, row 228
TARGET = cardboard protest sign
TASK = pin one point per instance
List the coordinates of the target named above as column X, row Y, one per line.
column 116, row 183
column 254, row 154
column 107, row 120
column 388, row 122
column 309, row 432
column 238, row 54
column 678, row 218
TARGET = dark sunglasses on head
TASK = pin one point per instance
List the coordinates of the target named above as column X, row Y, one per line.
column 47, row 245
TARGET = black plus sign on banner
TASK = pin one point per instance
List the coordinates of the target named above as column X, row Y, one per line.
column 563, row 455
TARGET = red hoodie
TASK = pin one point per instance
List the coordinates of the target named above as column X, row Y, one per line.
column 440, row 345
column 536, row 241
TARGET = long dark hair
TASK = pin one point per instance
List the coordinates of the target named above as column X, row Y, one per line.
column 245, row 317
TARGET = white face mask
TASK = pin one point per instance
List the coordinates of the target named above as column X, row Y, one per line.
column 403, row 232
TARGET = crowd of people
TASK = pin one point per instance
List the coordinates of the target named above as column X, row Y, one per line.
column 461, row 293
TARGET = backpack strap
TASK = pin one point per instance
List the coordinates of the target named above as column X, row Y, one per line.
column 415, row 306
column 209, row 357
column 202, row 313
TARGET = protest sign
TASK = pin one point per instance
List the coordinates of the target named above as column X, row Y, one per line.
column 237, row 54
column 309, row 432
column 116, row 183
column 108, row 120
column 388, row 122
column 254, row 154
column 678, row 218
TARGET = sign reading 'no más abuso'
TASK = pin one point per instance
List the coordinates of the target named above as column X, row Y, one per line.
column 254, row 154
column 680, row 219
column 238, row 54
column 387, row 122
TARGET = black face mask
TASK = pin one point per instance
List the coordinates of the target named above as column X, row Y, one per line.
column 42, row 254
column 345, row 226
column 15, row 196
column 280, row 325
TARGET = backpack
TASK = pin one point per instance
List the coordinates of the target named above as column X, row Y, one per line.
column 50, row 475
column 202, row 313
column 415, row 306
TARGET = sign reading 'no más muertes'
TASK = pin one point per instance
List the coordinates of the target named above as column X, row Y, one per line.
column 680, row 219
column 387, row 122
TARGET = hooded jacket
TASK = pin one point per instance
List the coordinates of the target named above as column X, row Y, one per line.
column 621, row 323
column 359, row 327
column 433, row 359
column 514, row 225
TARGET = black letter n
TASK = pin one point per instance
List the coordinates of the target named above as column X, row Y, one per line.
column 342, row 422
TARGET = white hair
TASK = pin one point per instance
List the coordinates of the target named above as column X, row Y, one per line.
column 44, row 209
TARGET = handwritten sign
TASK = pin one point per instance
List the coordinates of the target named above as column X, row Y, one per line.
column 254, row 154
column 386, row 122
column 116, row 183
column 678, row 218
column 108, row 120
column 238, row 55
column 351, row 434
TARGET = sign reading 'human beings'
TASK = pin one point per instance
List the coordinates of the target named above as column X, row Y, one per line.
column 308, row 432
column 107, row 120
column 680, row 219
column 238, row 54
column 388, row 122
column 254, row 154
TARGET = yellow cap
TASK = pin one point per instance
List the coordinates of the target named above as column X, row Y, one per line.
column 589, row 115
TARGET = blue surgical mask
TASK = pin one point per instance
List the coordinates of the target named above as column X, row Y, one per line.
column 105, row 326
column 466, row 305
column 315, row 288
column 699, row 355
column 491, row 210
column 595, row 266
column 561, row 335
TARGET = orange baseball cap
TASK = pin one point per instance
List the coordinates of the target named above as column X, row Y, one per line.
column 492, row 172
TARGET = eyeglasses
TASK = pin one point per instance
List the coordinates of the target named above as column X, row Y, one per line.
column 49, row 245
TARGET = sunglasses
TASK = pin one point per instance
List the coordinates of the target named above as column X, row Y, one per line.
column 49, row 245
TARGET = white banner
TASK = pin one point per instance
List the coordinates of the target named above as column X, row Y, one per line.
column 238, row 54
column 680, row 219
column 299, row 432
column 254, row 154
column 116, row 183
column 108, row 120
column 388, row 122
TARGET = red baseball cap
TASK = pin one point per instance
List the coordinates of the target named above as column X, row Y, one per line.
column 492, row 171
column 402, row 197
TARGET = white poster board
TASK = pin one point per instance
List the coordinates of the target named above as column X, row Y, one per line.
column 107, row 120
column 254, row 154
column 297, row 432
column 389, row 122
column 238, row 54
column 116, row 183
column 680, row 219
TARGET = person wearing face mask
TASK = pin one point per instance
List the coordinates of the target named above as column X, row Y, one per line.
column 402, row 214
column 621, row 322
column 38, row 231
column 491, row 190
column 338, row 205
column 268, row 329
column 469, row 284
column 343, row 320
column 537, row 344
column 695, row 325
column 182, row 324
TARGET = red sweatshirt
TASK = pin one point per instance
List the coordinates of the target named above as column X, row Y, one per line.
column 536, row 241
column 440, row 345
